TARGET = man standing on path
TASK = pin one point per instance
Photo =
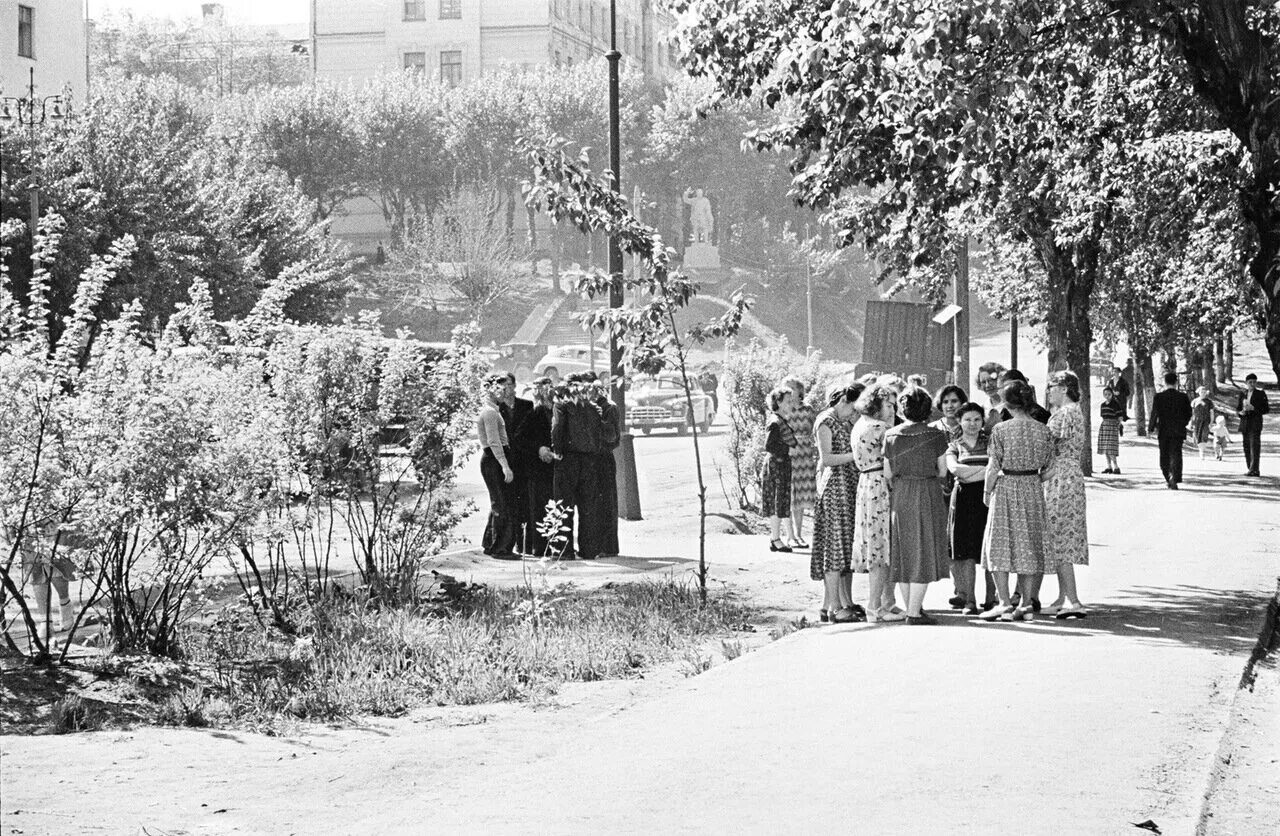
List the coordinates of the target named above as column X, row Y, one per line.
column 1170, row 414
column 1123, row 389
column 1251, row 406
column 514, row 412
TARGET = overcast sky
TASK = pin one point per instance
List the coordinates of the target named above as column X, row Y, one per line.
column 237, row 11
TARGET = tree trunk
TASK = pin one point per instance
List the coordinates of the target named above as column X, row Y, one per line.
column 1207, row 372
column 1146, row 392
column 1219, row 364
column 1070, row 330
column 1229, row 357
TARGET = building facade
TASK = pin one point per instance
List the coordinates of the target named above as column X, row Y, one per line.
column 458, row 40
column 47, row 36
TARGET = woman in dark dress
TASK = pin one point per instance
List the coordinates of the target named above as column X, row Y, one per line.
column 833, row 513
column 775, row 480
column 915, row 463
column 967, row 462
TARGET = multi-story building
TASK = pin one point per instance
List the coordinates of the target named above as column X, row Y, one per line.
column 457, row 40
column 47, row 36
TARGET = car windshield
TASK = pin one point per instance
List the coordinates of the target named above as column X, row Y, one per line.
column 658, row 383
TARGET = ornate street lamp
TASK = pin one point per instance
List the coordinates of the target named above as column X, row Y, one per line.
column 31, row 112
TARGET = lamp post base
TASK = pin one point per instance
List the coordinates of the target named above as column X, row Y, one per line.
column 624, row 455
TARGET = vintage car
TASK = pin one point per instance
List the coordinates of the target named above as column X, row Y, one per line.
column 659, row 401
column 563, row 360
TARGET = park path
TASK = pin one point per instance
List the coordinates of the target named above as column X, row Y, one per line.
column 1086, row 727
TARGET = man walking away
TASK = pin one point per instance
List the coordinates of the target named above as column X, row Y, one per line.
column 1251, row 406
column 1170, row 414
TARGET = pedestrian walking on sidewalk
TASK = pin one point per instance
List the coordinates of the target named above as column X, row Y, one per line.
column 871, row 514
column 1066, row 531
column 804, row 460
column 1170, row 414
column 1203, row 411
column 1020, row 451
column 967, row 462
column 499, row 538
column 1109, row 431
column 775, row 481
column 1252, row 405
column 915, row 463
column 833, row 513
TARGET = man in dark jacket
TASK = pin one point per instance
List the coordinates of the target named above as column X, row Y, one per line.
column 576, row 437
column 1035, row 411
column 1122, row 388
column 606, row 524
column 1170, row 414
column 1252, row 405
column 532, row 443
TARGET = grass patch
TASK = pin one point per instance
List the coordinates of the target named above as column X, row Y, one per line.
column 479, row 645
column 73, row 713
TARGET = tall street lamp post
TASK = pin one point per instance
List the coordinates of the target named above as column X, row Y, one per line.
column 627, row 484
column 30, row 112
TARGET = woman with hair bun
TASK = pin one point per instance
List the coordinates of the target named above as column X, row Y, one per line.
column 1067, row 536
column 833, row 513
column 871, row 514
column 915, row 463
column 1019, row 452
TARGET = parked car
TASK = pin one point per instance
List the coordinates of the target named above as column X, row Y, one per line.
column 659, row 401
column 563, row 360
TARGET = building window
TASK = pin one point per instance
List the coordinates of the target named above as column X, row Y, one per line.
column 26, row 32
column 451, row 67
column 415, row 9
column 416, row 61
column 450, row 9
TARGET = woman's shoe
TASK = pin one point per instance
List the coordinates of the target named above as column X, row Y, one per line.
column 922, row 618
column 971, row 610
column 890, row 615
column 798, row 543
column 845, row 616
column 1076, row 611
column 1022, row 614
column 1116, row 471
column 956, row 602
column 823, row 616
column 778, row 546
column 996, row 613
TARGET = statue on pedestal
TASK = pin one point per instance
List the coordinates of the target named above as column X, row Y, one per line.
column 700, row 218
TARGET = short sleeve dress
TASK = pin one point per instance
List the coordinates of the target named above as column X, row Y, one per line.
column 1067, row 535
column 871, row 514
column 1202, row 412
column 1014, row 540
column 804, row 457
column 918, row 550
column 833, row 513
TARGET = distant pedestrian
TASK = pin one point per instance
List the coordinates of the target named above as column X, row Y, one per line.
column 1110, row 429
column 1020, row 451
column 967, row 462
column 834, row 511
column 1066, row 532
column 871, row 514
column 804, row 460
column 775, row 481
column 915, row 463
column 1121, row 383
column 499, row 538
column 606, row 470
column 514, row 410
column 710, row 385
column 1170, row 414
column 577, row 430
column 1203, row 411
column 1221, row 438
column 1252, row 405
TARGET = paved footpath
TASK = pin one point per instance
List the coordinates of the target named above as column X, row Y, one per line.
column 1075, row 728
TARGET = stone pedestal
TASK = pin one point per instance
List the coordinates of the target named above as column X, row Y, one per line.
column 701, row 256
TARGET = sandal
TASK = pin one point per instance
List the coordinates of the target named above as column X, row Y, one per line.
column 778, row 546
column 823, row 616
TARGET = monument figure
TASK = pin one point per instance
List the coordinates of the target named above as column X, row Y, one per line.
column 700, row 218
column 699, row 252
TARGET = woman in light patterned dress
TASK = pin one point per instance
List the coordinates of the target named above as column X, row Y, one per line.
column 833, row 512
column 1066, row 536
column 1019, row 452
column 804, row 461
column 871, row 515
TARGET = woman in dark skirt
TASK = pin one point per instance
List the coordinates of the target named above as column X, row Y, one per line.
column 775, row 481
column 967, row 462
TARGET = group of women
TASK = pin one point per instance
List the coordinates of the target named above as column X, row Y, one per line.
column 909, row 498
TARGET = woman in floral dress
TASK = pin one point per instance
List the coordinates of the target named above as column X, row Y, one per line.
column 871, row 516
column 804, row 460
column 1067, row 536
column 834, row 511
column 1019, row 451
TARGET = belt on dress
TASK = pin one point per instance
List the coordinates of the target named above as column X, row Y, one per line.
column 1020, row 472
column 872, row 469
